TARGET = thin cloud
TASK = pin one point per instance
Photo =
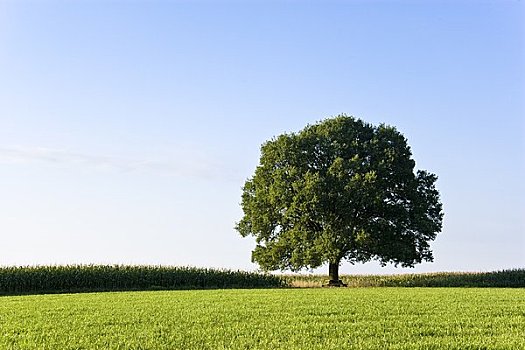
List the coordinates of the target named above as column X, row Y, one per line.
column 185, row 165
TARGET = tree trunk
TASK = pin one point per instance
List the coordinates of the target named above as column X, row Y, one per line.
column 333, row 272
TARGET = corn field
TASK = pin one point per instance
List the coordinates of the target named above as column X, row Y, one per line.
column 86, row 278
column 514, row 278
column 97, row 278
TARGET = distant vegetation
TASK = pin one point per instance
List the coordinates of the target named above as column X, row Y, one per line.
column 89, row 278
column 502, row 279
column 100, row 278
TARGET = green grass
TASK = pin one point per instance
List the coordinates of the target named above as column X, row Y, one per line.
column 329, row 318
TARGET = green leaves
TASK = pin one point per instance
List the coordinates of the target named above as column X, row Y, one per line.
column 339, row 189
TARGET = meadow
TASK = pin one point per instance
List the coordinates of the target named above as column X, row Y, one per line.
column 286, row 318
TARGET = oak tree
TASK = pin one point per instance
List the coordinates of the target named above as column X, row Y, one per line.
column 339, row 190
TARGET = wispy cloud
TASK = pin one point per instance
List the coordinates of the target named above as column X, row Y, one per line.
column 187, row 165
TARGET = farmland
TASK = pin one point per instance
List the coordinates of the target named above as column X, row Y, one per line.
column 512, row 278
column 105, row 278
column 349, row 318
column 19, row 280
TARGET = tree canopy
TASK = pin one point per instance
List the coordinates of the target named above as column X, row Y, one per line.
column 339, row 190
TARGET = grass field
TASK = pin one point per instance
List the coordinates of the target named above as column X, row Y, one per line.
column 347, row 318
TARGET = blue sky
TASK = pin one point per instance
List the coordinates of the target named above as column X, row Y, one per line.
column 128, row 128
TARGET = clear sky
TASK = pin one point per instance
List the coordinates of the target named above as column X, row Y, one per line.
column 127, row 128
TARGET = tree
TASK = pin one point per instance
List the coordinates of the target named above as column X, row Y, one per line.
column 338, row 190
